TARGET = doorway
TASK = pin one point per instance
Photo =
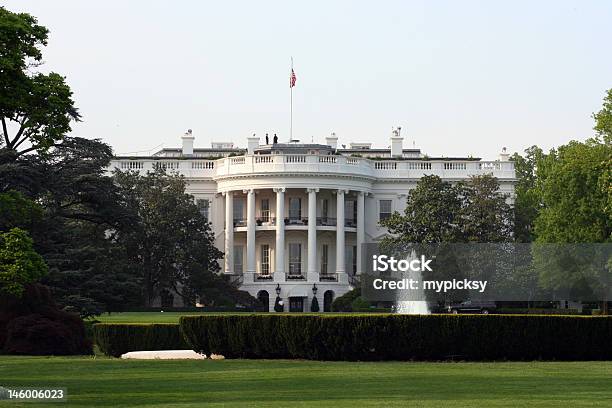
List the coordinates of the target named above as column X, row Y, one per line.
column 296, row 304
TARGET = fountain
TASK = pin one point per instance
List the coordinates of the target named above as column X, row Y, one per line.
column 412, row 301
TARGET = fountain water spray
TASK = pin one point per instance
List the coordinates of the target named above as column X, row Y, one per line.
column 412, row 301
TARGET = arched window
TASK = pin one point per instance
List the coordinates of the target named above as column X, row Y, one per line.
column 264, row 299
column 328, row 298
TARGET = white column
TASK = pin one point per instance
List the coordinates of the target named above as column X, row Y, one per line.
column 340, row 232
column 312, row 234
column 360, row 228
column 229, row 232
column 279, row 267
column 250, row 231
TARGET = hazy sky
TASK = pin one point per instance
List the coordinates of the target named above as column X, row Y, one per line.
column 460, row 77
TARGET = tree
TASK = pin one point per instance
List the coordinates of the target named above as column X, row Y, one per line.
column 603, row 119
column 18, row 211
column 72, row 209
column 603, row 127
column 574, row 204
column 172, row 246
column 438, row 212
column 485, row 215
column 527, row 198
column 20, row 265
column 430, row 216
column 574, row 184
column 38, row 106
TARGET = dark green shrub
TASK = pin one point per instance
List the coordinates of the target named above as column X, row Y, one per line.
column 360, row 305
column 38, row 335
column 343, row 303
column 401, row 337
column 314, row 306
column 33, row 324
column 117, row 339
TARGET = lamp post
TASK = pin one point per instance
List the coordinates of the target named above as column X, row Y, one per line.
column 314, row 289
column 278, row 304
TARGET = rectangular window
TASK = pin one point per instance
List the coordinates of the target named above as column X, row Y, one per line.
column 350, row 260
column 238, row 264
column 295, row 259
column 238, row 210
column 350, row 213
column 265, row 210
column 324, row 258
column 265, row 259
column 295, row 208
column 325, row 209
column 204, row 207
column 385, row 209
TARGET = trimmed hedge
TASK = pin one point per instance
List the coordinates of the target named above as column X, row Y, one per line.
column 509, row 310
column 401, row 337
column 115, row 339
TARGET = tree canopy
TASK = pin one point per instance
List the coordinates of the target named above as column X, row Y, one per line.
column 20, row 264
column 438, row 211
column 37, row 107
column 172, row 245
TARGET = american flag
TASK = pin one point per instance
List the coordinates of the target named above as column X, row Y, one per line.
column 292, row 79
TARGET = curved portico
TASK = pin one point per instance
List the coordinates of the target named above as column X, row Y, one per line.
column 295, row 225
column 293, row 235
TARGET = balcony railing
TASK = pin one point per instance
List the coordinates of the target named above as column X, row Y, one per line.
column 265, row 220
column 327, row 164
column 326, row 221
column 263, row 277
column 350, row 222
column 242, row 222
column 296, row 221
column 291, row 277
column 328, row 277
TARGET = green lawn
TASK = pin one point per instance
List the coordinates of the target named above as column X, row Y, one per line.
column 113, row 382
column 158, row 317
column 144, row 317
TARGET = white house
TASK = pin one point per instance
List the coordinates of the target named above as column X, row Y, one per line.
column 291, row 217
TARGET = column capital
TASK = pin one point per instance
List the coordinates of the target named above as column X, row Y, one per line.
column 340, row 191
column 279, row 189
column 248, row 190
column 312, row 190
column 362, row 193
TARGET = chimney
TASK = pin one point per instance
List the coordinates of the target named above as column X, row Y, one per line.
column 396, row 143
column 332, row 140
column 253, row 143
column 188, row 143
column 504, row 156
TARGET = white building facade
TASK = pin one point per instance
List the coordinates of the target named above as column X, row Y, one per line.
column 292, row 218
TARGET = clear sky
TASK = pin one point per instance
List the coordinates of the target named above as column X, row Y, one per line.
column 459, row 77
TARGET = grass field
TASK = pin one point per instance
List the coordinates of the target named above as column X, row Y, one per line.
column 253, row 383
column 157, row 317
column 144, row 317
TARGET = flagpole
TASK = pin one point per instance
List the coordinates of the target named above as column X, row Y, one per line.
column 291, row 106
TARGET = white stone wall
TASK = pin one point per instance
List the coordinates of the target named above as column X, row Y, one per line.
column 379, row 180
